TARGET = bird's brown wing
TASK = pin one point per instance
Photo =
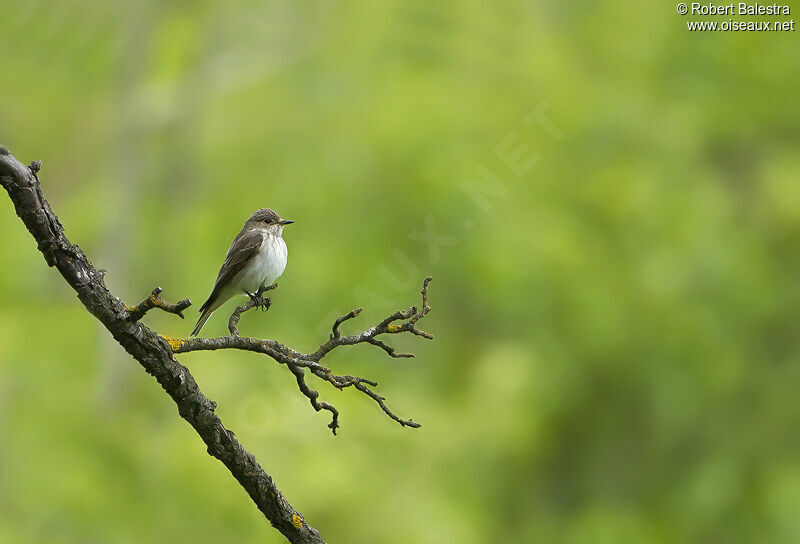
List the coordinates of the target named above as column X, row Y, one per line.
column 243, row 248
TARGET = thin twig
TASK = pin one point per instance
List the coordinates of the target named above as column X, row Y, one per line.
column 155, row 301
column 350, row 315
column 313, row 395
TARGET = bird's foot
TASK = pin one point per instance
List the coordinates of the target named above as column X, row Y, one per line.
column 260, row 301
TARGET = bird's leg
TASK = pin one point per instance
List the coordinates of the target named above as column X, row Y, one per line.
column 254, row 298
column 258, row 298
column 265, row 301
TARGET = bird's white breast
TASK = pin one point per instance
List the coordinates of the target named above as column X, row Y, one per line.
column 268, row 264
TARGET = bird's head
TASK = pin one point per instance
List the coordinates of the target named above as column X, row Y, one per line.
column 269, row 220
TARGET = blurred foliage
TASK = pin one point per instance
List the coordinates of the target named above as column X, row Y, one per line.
column 615, row 358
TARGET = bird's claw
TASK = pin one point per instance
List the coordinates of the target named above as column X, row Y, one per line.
column 260, row 301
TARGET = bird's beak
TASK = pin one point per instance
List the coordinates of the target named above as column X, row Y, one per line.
column 285, row 221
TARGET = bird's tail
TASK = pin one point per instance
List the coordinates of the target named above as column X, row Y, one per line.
column 202, row 321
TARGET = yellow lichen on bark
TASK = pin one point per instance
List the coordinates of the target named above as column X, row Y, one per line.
column 174, row 343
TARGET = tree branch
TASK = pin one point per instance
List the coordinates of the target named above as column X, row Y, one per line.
column 297, row 361
column 155, row 301
column 155, row 353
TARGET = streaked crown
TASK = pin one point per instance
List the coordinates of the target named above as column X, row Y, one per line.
column 265, row 215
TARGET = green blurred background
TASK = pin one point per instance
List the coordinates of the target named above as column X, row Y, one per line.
column 616, row 353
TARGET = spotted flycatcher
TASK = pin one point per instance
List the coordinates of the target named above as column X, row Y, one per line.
column 256, row 258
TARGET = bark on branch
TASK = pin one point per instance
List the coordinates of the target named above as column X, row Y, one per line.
column 156, row 353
